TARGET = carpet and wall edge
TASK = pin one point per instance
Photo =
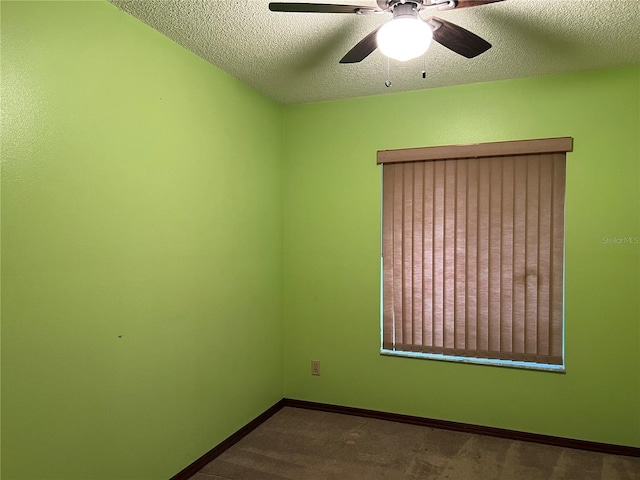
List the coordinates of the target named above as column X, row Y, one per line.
column 216, row 451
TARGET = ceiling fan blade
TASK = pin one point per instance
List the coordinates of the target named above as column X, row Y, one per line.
column 474, row 3
column 457, row 39
column 318, row 8
column 363, row 49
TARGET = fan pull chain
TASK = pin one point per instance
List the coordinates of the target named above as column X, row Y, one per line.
column 424, row 66
column 388, row 82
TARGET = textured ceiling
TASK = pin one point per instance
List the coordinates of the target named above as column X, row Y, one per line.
column 293, row 57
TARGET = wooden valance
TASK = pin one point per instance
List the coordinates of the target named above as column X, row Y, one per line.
column 477, row 150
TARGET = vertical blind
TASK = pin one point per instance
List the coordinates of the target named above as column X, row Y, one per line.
column 473, row 257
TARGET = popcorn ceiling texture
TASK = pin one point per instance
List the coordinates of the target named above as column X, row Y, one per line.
column 293, row 57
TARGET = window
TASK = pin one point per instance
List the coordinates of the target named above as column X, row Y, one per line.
column 473, row 252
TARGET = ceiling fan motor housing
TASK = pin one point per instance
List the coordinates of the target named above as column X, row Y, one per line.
column 391, row 5
column 408, row 9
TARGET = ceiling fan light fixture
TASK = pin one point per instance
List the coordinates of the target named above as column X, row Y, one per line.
column 405, row 37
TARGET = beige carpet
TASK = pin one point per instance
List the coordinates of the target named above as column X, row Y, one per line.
column 297, row 444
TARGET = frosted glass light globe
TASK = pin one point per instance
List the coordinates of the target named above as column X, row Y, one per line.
column 404, row 38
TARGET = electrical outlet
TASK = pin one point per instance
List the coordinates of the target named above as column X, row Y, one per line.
column 315, row 367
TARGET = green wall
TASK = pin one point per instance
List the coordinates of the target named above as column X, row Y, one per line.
column 332, row 253
column 141, row 248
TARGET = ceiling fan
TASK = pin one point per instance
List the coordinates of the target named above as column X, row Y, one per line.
column 407, row 35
